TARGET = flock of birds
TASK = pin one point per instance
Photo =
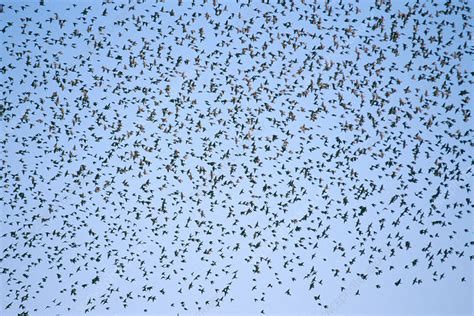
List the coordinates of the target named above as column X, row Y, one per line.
column 169, row 156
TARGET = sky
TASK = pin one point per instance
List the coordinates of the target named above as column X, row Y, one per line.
column 155, row 156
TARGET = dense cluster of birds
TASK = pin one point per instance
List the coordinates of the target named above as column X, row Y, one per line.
column 169, row 155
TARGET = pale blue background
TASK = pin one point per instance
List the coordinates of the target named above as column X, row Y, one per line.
column 447, row 296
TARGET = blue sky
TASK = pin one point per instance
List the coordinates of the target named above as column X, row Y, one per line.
column 171, row 150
